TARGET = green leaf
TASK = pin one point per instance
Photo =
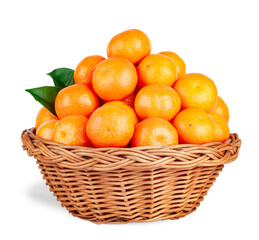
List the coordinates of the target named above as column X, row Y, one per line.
column 46, row 96
column 62, row 77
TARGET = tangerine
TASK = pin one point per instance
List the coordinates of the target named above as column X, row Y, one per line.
column 128, row 108
column 110, row 126
column 45, row 130
column 114, row 79
column 179, row 63
column 130, row 99
column 70, row 130
column 194, row 126
column 197, row 90
column 84, row 70
column 156, row 68
column 131, row 44
column 221, row 127
column 157, row 100
column 154, row 132
column 221, row 108
column 76, row 99
column 44, row 115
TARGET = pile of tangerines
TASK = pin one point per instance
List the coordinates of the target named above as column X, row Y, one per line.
column 134, row 98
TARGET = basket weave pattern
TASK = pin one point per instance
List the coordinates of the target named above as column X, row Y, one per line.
column 119, row 185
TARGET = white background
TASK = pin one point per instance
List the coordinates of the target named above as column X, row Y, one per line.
column 216, row 38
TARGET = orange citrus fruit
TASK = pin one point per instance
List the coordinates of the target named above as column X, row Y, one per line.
column 110, row 126
column 179, row 63
column 45, row 130
column 114, row 79
column 221, row 127
column 154, row 132
column 130, row 99
column 84, row 70
column 157, row 100
column 196, row 90
column 126, row 107
column 43, row 115
column 131, row 44
column 156, row 68
column 77, row 99
column 71, row 131
column 194, row 126
column 221, row 108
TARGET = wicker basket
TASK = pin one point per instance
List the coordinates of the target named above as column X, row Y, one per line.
column 120, row 185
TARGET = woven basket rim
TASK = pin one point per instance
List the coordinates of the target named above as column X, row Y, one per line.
column 232, row 137
column 182, row 156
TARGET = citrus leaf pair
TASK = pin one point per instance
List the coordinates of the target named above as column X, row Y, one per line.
column 62, row 77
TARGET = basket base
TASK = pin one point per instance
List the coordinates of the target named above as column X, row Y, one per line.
column 140, row 219
column 160, row 194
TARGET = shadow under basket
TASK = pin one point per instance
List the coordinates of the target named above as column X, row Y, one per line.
column 121, row 185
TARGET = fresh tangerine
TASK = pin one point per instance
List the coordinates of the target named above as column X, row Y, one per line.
column 110, row 126
column 43, row 115
column 70, row 130
column 156, row 68
column 221, row 108
column 179, row 63
column 77, row 99
column 84, row 70
column 154, row 132
column 114, row 79
column 45, row 130
column 126, row 107
column 157, row 100
column 194, row 126
column 221, row 127
column 197, row 90
column 131, row 44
